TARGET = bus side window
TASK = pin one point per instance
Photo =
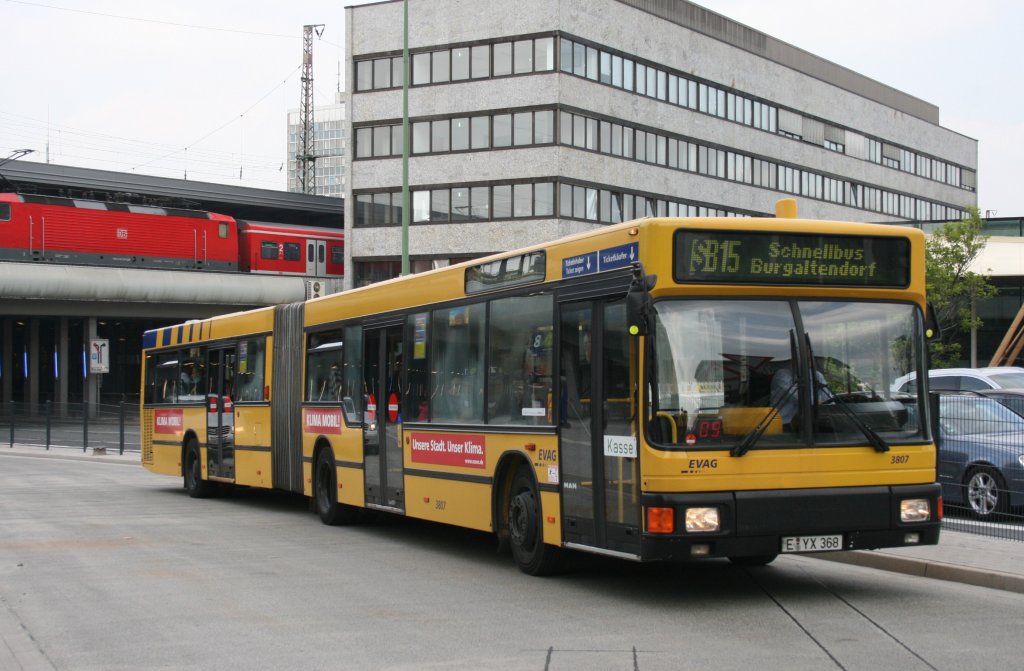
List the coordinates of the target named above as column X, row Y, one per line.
column 249, row 379
column 457, row 365
column 519, row 360
column 352, row 376
column 324, row 367
column 415, row 397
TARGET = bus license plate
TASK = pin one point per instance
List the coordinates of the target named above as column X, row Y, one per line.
column 812, row 543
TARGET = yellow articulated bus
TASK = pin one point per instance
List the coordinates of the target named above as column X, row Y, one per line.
column 655, row 390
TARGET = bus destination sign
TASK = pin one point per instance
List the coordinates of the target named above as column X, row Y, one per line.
column 753, row 257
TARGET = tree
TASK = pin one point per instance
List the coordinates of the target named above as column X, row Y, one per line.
column 951, row 286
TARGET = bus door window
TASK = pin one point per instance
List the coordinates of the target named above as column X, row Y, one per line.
column 575, row 403
column 384, row 460
column 619, row 442
column 222, row 365
column 599, row 450
column 370, row 401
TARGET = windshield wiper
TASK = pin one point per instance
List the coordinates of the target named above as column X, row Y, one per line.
column 755, row 434
column 876, row 440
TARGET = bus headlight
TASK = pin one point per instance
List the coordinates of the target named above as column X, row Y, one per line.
column 915, row 510
column 702, row 520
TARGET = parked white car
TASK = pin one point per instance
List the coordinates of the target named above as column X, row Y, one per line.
column 965, row 379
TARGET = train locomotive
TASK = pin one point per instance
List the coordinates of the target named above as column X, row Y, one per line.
column 50, row 229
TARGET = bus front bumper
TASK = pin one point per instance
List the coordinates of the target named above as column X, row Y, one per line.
column 764, row 523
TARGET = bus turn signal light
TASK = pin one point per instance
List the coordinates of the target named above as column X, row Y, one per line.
column 661, row 520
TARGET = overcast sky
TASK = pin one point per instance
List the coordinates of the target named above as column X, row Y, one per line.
column 202, row 88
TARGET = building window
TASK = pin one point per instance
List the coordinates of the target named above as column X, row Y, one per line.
column 502, row 59
column 460, row 64
column 481, row 62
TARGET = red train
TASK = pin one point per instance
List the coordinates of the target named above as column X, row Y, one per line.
column 65, row 230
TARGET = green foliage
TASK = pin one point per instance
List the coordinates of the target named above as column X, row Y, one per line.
column 951, row 287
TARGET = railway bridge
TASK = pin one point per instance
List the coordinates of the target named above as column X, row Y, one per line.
column 61, row 324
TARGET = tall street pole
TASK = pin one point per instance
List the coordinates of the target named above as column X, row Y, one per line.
column 405, row 140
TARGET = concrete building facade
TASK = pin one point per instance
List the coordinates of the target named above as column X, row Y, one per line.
column 536, row 119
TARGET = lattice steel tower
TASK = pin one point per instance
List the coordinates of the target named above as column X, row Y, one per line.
column 305, row 160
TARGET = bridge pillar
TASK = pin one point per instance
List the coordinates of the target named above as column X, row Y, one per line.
column 64, row 368
column 7, row 365
column 34, row 369
column 91, row 387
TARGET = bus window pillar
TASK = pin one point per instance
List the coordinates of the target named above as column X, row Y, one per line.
column 34, row 369
column 7, row 363
column 63, row 368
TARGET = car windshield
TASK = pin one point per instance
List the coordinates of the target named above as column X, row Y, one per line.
column 784, row 372
column 972, row 415
column 1008, row 380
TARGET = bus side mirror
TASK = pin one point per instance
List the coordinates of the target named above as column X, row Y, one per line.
column 638, row 302
column 932, row 332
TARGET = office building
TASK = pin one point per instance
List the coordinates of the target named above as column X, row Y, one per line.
column 535, row 119
column 328, row 147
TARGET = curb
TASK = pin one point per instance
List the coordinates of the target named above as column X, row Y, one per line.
column 74, row 455
column 928, row 569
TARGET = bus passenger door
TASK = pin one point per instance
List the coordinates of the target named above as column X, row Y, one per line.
column 316, row 257
column 221, row 366
column 598, row 448
column 382, row 436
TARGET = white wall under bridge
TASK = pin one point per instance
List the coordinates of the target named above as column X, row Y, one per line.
column 49, row 313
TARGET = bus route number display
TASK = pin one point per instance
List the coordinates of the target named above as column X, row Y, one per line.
column 751, row 257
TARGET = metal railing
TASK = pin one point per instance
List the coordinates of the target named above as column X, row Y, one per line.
column 981, row 464
column 75, row 425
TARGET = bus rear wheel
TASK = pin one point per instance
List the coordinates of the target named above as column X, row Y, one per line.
column 325, row 492
column 196, row 487
column 525, row 532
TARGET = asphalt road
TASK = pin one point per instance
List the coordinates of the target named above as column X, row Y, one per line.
column 106, row 566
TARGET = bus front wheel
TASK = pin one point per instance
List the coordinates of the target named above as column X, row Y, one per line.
column 525, row 532
column 325, row 492
column 196, row 487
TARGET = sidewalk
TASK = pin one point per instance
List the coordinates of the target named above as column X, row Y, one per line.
column 961, row 557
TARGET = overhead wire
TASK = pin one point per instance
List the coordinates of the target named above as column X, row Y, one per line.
column 160, row 21
column 223, row 125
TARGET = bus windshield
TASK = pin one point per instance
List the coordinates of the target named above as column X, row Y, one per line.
column 788, row 372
